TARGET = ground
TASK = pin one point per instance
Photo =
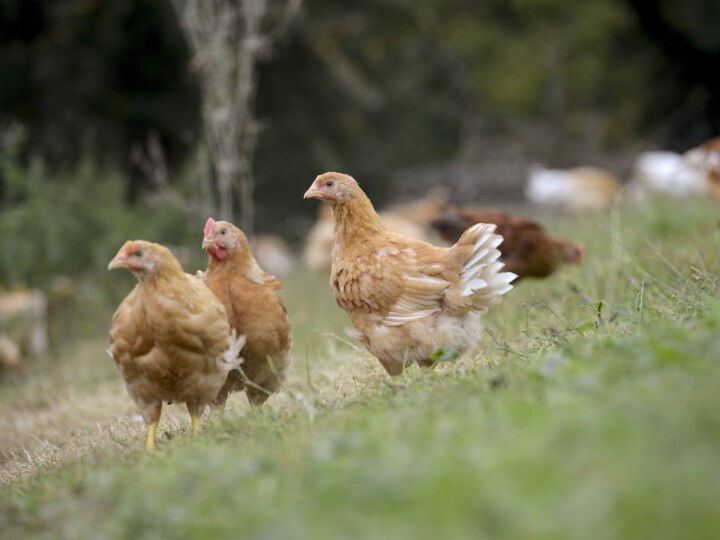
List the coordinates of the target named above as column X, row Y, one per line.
column 589, row 411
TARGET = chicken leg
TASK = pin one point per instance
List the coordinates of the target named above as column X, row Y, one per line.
column 196, row 412
column 196, row 424
column 151, row 431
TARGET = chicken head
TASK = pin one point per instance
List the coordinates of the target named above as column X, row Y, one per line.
column 222, row 238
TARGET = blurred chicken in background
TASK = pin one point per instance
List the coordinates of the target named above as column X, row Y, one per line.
column 694, row 173
column 274, row 255
column 707, row 157
column 665, row 173
column 23, row 319
column 527, row 250
column 421, row 211
column 10, row 355
column 574, row 190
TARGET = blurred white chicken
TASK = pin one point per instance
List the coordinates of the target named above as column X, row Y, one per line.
column 578, row 189
column 666, row 173
column 696, row 172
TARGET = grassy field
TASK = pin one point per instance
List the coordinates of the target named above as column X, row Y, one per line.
column 589, row 411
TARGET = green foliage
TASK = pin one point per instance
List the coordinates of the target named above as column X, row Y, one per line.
column 70, row 225
column 74, row 228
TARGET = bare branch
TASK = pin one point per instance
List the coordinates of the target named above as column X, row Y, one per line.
column 228, row 43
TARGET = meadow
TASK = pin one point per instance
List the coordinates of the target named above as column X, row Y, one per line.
column 589, row 411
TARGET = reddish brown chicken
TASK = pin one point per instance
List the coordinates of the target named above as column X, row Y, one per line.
column 527, row 250
column 407, row 299
column 170, row 337
column 254, row 310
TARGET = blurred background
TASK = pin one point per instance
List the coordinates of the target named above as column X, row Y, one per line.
column 141, row 118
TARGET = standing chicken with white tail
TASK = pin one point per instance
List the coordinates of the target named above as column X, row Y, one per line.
column 408, row 299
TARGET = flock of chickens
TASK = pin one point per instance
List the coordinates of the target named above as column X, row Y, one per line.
column 194, row 339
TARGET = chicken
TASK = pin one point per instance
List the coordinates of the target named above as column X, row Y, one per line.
column 666, row 173
column 24, row 318
column 254, row 310
column 10, row 355
column 707, row 158
column 411, row 219
column 714, row 184
column 408, row 300
column 318, row 243
column 579, row 189
column 273, row 253
column 170, row 337
column 526, row 250
column 421, row 211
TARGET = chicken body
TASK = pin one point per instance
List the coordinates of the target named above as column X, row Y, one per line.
column 406, row 298
column 170, row 337
column 527, row 250
column 576, row 190
column 254, row 310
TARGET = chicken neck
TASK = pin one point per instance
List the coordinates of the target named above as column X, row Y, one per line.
column 356, row 220
column 238, row 261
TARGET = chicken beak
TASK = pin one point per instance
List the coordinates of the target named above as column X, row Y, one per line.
column 313, row 193
column 117, row 262
column 208, row 243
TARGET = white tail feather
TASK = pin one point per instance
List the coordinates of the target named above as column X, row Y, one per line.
column 481, row 282
column 231, row 358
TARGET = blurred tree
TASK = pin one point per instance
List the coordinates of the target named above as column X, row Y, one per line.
column 229, row 38
column 372, row 86
column 95, row 76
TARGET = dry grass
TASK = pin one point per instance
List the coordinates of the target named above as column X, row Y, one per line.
column 76, row 404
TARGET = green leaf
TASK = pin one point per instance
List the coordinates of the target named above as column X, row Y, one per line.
column 443, row 354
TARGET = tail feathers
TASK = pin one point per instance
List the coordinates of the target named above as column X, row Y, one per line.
column 481, row 281
column 231, row 358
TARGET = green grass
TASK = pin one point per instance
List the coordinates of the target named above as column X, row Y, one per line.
column 590, row 411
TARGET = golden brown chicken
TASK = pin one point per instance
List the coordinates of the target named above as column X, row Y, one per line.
column 254, row 310
column 170, row 337
column 407, row 299
column 527, row 250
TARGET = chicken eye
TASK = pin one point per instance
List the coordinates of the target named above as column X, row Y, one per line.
column 138, row 253
column 222, row 232
column 330, row 184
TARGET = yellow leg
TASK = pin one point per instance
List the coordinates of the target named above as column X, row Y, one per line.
column 151, row 430
column 196, row 424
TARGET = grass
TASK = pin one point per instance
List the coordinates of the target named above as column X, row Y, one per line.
column 589, row 411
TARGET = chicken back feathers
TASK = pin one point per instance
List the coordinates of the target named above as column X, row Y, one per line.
column 170, row 337
column 407, row 298
column 254, row 310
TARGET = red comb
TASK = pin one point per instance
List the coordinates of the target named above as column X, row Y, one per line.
column 209, row 225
